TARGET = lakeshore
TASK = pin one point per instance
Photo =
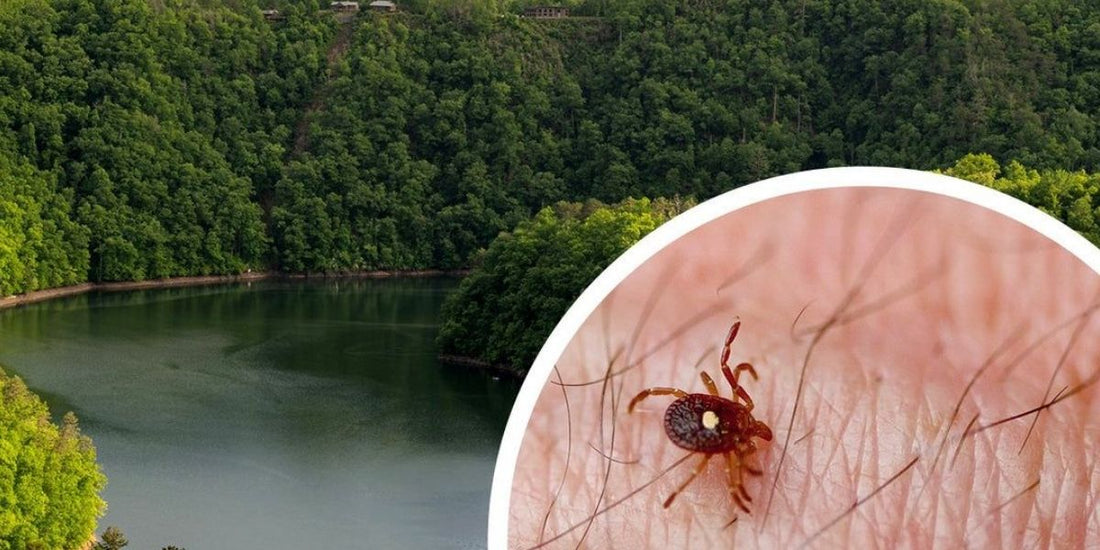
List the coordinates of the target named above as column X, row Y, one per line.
column 36, row 296
column 267, row 414
column 499, row 371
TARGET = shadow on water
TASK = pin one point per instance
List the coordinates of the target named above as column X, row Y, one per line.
column 309, row 412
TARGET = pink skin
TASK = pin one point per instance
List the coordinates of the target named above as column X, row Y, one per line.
column 879, row 390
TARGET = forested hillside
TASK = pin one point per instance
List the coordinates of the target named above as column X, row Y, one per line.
column 506, row 308
column 151, row 138
column 155, row 128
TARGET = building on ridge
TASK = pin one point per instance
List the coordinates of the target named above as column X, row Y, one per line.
column 546, row 12
column 344, row 6
column 383, row 6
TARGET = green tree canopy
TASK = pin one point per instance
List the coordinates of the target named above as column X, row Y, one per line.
column 1071, row 197
column 148, row 139
column 505, row 309
column 49, row 479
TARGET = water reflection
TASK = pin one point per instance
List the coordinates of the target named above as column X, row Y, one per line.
column 271, row 415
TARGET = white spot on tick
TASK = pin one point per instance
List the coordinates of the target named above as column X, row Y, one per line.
column 710, row 420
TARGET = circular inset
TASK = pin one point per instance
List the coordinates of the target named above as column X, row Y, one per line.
column 927, row 355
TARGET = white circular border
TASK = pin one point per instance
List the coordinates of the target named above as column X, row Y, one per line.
column 500, row 497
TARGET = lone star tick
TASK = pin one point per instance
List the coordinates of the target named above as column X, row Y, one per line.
column 710, row 424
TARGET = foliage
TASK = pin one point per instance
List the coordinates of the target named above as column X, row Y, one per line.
column 40, row 245
column 112, row 539
column 153, row 126
column 153, row 138
column 508, row 305
column 505, row 309
column 49, row 479
column 1071, row 197
column 447, row 124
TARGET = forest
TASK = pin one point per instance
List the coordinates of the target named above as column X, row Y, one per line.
column 504, row 310
column 142, row 139
column 527, row 279
column 49, row 479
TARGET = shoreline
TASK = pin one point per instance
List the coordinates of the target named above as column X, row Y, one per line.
column 45, row 294
column 499, row 371
column 36, row 296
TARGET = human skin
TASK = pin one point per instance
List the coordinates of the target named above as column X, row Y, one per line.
column 885, row 304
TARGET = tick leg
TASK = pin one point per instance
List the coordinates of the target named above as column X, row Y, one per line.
column 748, row 450
column 743, row 367
column 735, row 376
column 740, row 504
column 729, row 340
column 695, row 473
column 733, row 475
column 744, row 397
column 709, row 383
column 732, row 377
column 654, row 391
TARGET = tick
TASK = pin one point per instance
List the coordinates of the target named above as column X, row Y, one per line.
column 710, row 424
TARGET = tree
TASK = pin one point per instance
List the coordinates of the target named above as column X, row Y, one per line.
column 1071, row 197
column 182, row 137
column 504, row 310
column 112, row 539
column 49, row 479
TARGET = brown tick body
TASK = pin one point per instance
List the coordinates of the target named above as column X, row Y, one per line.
column 710, row 424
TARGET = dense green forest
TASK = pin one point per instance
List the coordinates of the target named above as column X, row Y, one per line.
column 510, row 303
column 151, row 138
column 504, row 310
column 49, row 480
column 1071, row 197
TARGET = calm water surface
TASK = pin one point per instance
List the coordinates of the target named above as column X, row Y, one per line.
column 272, row 415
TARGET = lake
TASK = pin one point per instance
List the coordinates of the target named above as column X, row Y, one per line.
column 271, row 415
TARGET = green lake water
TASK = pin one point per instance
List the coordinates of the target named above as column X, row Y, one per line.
column 275, row 415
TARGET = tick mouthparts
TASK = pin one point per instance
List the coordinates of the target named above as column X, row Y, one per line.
column 763, row 431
